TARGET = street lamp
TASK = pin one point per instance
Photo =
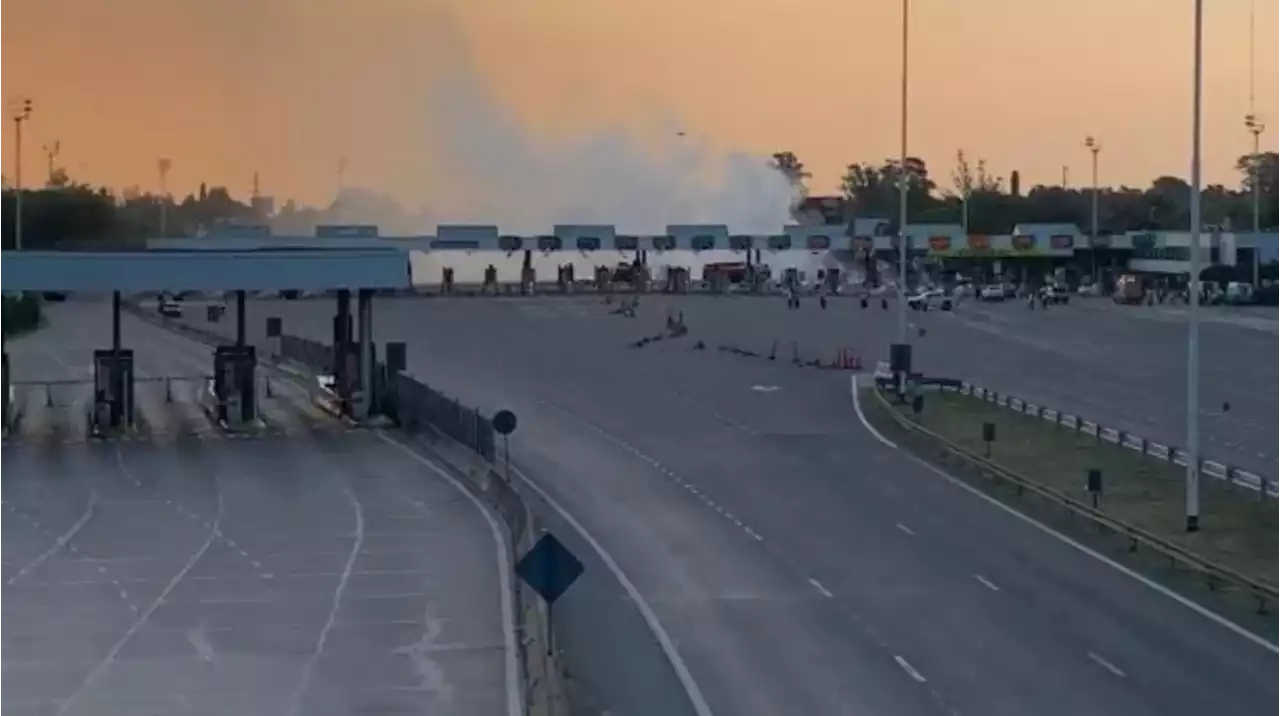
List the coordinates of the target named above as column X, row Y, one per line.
column 19, row 112
column 1256, row 127
column 164, row 164
column 1193, row 256
column 902, row 185
column 1092, row 144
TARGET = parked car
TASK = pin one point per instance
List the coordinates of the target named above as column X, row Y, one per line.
column 992, row 292
column 925, row 300
column 1055, row 294
column 170, row 308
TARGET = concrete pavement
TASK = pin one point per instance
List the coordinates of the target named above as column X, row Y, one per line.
column 313, row 571
column 797, row 564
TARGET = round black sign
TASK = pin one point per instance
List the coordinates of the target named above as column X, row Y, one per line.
column 504, row 422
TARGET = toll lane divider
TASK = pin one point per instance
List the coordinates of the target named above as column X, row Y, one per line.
column 464, row 438
column 1215, row 574
column 1130, row 441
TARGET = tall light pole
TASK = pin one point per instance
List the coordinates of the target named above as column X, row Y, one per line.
column 51, row 152
column 1094, row 148
column 902, row 184
column 164, row 164
column 21, row 112
column 1256, row 127
column 342, row 170
column 1193, row 313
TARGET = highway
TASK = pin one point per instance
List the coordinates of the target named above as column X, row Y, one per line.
column 311, row 570
column 795, row 563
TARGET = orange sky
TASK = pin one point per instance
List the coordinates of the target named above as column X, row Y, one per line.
column 287, row 87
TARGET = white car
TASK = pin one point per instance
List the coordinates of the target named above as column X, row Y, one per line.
column 925, row 300
column 993, row 292
column 170, row 308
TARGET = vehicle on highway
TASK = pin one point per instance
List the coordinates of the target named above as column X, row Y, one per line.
column 1128, row 290
column 930, row 298
column 992, row 292
column 1054, row 294
column 170, row 308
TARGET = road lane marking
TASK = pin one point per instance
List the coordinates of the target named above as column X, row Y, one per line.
column 818, row 586
column 1106, row 664
column 1155, row 586
column 678, row 665
column 515, row 699
column 61, row 541
column 911, row 670
column 986, row 582
column 905, row 528
column 308, row 669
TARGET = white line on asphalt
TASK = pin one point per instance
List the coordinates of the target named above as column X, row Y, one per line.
column 691, row 688
column 515, row 700
column 1156, row 586
column 1106, row 664
column 818, row 586
column 905, row 528
column 61, row 540
column 986, row 582
column 911, row 670
column 304, row 681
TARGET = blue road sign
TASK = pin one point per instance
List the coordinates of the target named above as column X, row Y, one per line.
column 550, row 568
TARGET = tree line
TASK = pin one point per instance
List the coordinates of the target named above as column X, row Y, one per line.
column 995, row 204
column 75, row 215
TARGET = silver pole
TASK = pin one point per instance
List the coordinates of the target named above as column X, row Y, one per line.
column 1193, row 314
column 1257, row 204
column 902, row 187
column 17, row 182
column 1094, row 212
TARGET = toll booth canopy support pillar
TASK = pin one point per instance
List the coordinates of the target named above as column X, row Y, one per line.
column 341, row 340
column 364, row 307
column 115, row 321
column 240, row 324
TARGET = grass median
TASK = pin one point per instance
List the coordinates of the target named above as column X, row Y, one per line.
column 1238, row 528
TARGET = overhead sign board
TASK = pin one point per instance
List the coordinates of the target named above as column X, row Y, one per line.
column 243, row 231
column 700, row 237
column 582, row 237
column 347, row 231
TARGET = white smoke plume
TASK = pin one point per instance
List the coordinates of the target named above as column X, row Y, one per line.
column 502, row 172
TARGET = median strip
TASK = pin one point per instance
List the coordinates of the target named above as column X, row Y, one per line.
column 1128, row 494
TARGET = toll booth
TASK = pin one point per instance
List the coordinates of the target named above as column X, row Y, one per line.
column 112, row 389
column 233, row 383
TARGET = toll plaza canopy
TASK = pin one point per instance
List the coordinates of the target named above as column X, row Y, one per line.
column 205, row 270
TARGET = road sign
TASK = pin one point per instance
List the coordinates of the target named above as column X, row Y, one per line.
column 504, row 422
column 549, row 568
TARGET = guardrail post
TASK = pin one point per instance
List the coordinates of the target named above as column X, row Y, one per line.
column 267, row 386
column 48, row 395
column 168, row 390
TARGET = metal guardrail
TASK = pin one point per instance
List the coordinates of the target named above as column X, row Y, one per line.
column 1215, row 574
column 1137, row 443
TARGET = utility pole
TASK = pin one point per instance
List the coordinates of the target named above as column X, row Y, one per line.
column 342, row 170
column 1193, row 312
column 1256, row 127
column 164, row 165
column 1094, row 147
column 20, row 112
column 903, row 253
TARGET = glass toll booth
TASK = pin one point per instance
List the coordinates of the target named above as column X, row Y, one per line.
column 112, row 389
column 233, row 383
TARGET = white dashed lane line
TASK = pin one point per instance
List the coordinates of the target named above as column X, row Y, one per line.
column 986, row 582
column 911, row 670
column 821, row 589
column 905, row 528
column 1115, row 670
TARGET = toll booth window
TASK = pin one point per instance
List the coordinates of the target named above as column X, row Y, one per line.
column 740, row 243
column 819, row 243
column 588, row 243
column 703, row 243
column 779, row 243
column 510, row 243
column 626, row 243
column 664, row 243
column 550, row 243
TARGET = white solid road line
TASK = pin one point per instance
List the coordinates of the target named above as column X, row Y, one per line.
column 515, row 699
column 1106, row 664
column 905, row 528
column 1156, row 586
column 986, row 582
column 691, row 688
column 911, row 670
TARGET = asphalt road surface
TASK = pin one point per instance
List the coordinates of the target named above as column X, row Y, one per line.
column 797, row 564
column 321, row 571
